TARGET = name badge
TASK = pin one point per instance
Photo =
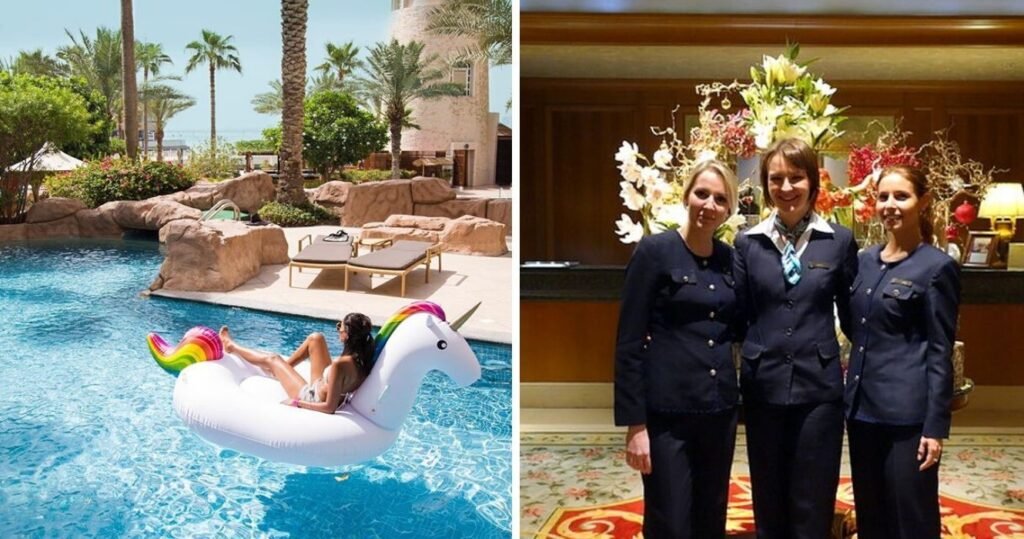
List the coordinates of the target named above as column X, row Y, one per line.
column 819, row 265
column 903, row 282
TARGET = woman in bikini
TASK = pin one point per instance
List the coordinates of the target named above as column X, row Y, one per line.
column 332, row 383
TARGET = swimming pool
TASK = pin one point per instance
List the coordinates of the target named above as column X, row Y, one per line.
column 90, row 446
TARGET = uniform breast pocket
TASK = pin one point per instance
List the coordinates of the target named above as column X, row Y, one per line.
column 683, row 280
column 901, row 297
column 821, row 273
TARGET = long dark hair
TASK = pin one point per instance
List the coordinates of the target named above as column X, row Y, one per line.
column 359, row 345
column 919, row 180
column 798, row 154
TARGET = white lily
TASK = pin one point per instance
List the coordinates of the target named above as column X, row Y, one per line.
column 824, row 88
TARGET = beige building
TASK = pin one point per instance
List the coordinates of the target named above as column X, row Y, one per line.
column 461, row 126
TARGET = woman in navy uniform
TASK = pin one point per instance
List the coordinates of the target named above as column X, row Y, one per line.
column 900, row 381
column 790, row 270
column 675, row 383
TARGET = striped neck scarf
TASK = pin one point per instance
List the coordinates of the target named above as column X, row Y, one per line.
column 790, row 263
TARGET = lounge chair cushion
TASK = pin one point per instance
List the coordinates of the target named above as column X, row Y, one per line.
column 389, row 258
column 412, row 245
column 322, row 252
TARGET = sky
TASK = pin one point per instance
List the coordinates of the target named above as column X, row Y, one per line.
column 256, row 27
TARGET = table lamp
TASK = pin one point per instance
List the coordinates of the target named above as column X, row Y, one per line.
column 1003, row 203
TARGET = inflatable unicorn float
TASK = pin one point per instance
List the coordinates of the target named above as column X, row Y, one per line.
column 233, row 404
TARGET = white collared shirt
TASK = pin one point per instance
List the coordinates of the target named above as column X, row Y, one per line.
column 767, row 227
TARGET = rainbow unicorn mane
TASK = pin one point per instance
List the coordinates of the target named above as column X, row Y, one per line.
column 389, row 327
column 199, row 344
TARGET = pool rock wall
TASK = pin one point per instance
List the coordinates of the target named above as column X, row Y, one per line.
column 358, row 204
column 217, row 256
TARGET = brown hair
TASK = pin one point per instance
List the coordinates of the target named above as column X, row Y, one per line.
column 919, row 180
column 798, row 154
column 719, row 168
column 360, row 343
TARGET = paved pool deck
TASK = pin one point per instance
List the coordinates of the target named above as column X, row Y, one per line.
column 463, row 281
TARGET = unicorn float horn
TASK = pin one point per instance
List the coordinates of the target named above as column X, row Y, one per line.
column 199, row 344
column 462, row 319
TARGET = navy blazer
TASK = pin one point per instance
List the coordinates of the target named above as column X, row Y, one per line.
column 790, row 352
column 674, row 347
column 901, row 369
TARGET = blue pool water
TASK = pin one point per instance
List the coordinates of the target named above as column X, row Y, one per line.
column 90, row 446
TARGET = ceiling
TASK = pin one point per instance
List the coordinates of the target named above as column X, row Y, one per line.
column 784, row 7
column 960, row 63
column 649, row 59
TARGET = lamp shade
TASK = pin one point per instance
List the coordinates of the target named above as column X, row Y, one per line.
column 1003, row 200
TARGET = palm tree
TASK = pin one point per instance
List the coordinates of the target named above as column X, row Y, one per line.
column 218, row 53
column 343, row 60
column 324, row 83
column 37, row 63
column 488, row 22
column 149, row 57
column 98, row 61
column 270, row 102
column 294, row 14
column 164, row 102
column 395, row 77
column 129, row 90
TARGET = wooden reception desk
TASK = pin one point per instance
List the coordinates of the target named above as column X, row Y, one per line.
column 568, row 318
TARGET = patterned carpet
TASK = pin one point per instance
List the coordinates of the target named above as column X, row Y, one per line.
column 578, row 486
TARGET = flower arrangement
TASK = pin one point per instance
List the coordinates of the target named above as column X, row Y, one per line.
column 785, row 100
column 654, row 188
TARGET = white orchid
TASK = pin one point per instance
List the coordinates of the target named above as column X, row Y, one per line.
column 663, row 157
column 650, row 176
column 671, row 215
column 632, row 198
column 706, row 155
column 630, row 172
column 629, row 231
column 627, row 153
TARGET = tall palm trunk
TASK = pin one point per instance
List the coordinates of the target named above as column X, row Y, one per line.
column 145, row 115
column 213, row 111
column 159, row 141
column 395, row 120
column 294, row 15
column 129, row 89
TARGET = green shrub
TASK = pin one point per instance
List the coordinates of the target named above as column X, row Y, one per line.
column 99, row 182
column 372, row 175
column 287, row 215
column 211, row 163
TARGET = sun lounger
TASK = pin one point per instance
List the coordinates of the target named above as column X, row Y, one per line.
column 400, row 258
column 321, row 254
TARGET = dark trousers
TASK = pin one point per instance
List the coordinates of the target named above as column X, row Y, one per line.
column 794, row 454
column 894, row 500
column 687, row 492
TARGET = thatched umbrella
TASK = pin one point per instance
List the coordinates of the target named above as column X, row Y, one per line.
column 47, row 160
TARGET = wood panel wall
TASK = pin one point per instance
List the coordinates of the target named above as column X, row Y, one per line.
column 574, row 341
column 571, row 129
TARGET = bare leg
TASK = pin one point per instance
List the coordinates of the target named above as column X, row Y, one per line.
column 274, row 364
column 319, row 355
column 308, row 349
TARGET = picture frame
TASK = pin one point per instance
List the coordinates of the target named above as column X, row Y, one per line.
column 981, row 249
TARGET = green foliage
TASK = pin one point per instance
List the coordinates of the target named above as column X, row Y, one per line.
column 373, row 175
column 273, row 137
column 34, row 111
column 288, row 215
column 99, row 182
column 214, row 162
column 337, row 132
column 98, row 143
column 488, row 22
column 117, row 146
column 256, row 145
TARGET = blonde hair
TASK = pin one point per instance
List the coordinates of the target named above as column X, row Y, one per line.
column 723, row 172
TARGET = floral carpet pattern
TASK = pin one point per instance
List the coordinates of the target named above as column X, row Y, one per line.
column 577, row 485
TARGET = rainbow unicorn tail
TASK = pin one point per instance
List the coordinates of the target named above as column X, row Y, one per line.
column 199, row 344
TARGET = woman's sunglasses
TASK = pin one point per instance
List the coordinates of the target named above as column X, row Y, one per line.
column 340, row 326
